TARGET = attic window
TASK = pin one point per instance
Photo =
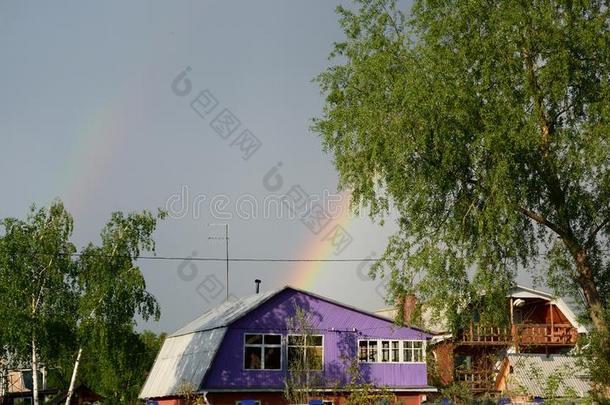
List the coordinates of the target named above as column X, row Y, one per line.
column 262, row 351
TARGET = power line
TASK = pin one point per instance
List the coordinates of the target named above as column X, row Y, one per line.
column 233, row 259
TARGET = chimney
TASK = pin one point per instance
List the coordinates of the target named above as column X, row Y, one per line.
column 409, row 304
column 258, row 285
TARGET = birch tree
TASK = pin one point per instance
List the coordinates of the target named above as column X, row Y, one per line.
column 56, row 302
column 111, row 288
column 38, row 300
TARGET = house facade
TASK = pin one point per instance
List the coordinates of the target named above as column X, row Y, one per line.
column 245, row 350
column 16, row 386
column 539, row 324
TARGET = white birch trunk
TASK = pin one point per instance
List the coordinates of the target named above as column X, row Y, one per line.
column 34, row 373
column 74, row 373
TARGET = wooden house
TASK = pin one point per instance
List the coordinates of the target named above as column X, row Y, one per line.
column 539, row 323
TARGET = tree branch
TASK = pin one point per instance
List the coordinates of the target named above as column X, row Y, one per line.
column 542, row 221
column 594, row 233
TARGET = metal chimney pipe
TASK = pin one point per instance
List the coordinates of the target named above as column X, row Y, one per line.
column 258, row 285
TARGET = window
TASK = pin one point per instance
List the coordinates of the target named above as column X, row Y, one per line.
column 463, row 362
column 262, row 352
column 306, row 351
column 367, row 351
column 385, row 351
column 395, row 351
column 413, row 351
column 389, row 351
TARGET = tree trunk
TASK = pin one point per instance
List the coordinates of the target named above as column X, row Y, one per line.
column 74, row 373
column 34, row 372
column 589, row 289
column 594, row 303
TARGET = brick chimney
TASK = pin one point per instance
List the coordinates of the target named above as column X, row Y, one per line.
column 409, row 304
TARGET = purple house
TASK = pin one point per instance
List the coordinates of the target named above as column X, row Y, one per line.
column 245, row 350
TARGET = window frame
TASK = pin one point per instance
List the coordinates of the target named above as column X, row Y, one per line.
column 304, row 347
column 401, row 351
column 262, row 347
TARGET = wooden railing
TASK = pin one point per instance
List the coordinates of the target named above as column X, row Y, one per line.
column 519, row 334
column 489, row 335
column 544, row 334
column 477, row 381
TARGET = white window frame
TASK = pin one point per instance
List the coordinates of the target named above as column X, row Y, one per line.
column 288, row 345
column 401, row 349
column 262, row 346
column 413, row 349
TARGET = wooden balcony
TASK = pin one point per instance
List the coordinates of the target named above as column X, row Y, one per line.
column 545, row 334
column 477, row 381
column 520, row 334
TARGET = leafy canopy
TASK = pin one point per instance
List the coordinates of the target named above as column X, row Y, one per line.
column 485, row 125
column 64, row 301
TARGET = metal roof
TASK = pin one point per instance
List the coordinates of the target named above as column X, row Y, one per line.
column 225, row 313
column 534, row 374
column 182, row 362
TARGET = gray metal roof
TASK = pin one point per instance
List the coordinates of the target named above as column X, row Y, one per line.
column 187, row 354
column 182, row 362
column 225, row 313
column 533, row 374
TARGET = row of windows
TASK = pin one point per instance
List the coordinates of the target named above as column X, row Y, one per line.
column 264, row 352
column 391, row 351
column 306, row 352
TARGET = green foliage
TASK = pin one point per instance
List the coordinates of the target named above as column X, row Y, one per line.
column 64, row 301
column 301, row 383
column 38, row 296
column 458, row 393
column 486, row 127
column 187, row 391
column 361, row 392
column 116, row 366
column 594, row 350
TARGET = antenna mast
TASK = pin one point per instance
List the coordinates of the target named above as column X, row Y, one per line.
column 226, row 238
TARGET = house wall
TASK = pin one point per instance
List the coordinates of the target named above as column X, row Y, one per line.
column 540, row 312
column 341, row 328
column 443, row 355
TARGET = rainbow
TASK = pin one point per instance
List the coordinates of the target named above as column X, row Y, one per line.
column 100, row 138
column 306, row 274
column 90, row 159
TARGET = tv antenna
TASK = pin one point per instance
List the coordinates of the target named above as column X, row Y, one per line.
column 226, row 239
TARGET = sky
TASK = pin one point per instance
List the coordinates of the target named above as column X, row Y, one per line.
column 201, row 108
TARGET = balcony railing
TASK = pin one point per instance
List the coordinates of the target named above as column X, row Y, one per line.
column 520, row 334
column 477, row 381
